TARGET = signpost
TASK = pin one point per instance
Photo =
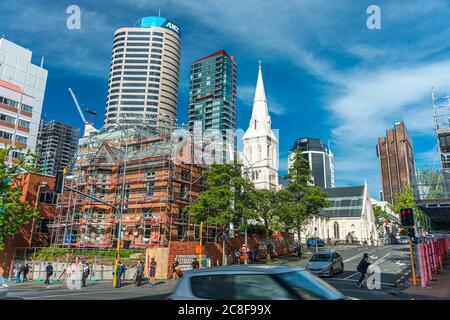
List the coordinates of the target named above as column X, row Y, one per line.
column 407, row 220
column 243, row 250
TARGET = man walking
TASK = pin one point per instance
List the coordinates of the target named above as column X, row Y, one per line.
column 19, row 273
column 85, row 275
column 119, row 272
column 139, row 273
column 362, row 268
column 48, row 273
column 195, row 264
column 26, row 269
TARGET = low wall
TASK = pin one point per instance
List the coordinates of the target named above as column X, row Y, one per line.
column 282, row 244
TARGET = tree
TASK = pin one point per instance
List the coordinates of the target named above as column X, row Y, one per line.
column 380, row 217
column 14, row 213
column 228, row 197
column 405, row 199
column 300, row 199
column 267, row 206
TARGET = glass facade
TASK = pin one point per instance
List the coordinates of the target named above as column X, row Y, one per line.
column 212, row 96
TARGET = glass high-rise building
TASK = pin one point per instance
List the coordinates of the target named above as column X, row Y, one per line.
column 212, row 99
column 56, row 147
column 320, row 158
column 144, row 73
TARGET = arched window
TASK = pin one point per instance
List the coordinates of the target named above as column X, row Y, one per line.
column 336, row 230
column 254, row 122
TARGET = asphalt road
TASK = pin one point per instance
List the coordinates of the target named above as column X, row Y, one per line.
column 393, row 262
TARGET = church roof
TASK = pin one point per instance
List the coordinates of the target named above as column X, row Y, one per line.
column 345, row 202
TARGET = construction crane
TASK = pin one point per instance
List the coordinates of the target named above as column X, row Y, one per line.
column 88, row 126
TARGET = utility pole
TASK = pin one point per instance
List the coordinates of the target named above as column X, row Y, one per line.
column 201, row 248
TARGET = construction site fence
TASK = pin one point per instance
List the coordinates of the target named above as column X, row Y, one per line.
column 101, row 266
column 431, row 253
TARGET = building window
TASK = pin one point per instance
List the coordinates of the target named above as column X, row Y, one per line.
column 336, row 230
column 42, row 225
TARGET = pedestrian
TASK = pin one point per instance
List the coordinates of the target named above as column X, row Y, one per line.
column 175, row 264
column 18, row 273
column 48, row 273
column 139, row 273
column 195, row 264
column 118, row 271
column 237, row 256
column 85, row 275
column 255, row 254
column 26, row 269
column 153, row 265
column 230, row 259
column 362, row 268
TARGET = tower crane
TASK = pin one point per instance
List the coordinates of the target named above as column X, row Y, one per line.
column 88, row 126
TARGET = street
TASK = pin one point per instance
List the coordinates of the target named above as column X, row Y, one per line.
column 393, row 261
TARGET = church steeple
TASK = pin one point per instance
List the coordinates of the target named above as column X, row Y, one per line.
column 260, row 144
column 260, row 93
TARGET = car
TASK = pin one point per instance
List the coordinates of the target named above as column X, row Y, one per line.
column 311, row 242
column 403, row 240
column 326, row 263
column 3, row 288
column 383, row 240
column 257, row 282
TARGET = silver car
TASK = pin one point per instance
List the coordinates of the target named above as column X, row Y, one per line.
column 253, row 283
column 326, row 264
column 3, row 288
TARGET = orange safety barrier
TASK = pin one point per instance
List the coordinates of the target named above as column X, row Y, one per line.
column 431, row 254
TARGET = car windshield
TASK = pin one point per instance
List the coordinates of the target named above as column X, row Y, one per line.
column 309, row 287
column 321, row 257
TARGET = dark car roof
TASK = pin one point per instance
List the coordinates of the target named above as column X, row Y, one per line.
column 247, row 268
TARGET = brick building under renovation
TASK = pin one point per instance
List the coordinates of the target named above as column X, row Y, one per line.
column 145, row 177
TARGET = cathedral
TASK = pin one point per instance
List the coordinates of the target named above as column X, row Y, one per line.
column 260, row 144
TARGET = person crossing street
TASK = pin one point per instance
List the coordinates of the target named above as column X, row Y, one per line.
column 362, row 268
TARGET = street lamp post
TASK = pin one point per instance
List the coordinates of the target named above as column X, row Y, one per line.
column 119, row 238
column 246, row 171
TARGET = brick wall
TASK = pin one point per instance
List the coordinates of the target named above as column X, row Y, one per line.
column 283, row 243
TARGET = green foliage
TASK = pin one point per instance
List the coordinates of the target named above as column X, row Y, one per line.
column 300, row 199
column 405, row 199
column 228, row 197
column 52, row 253
column 267, row 206
column 380, row 217
column 14, row 213
column 258, row 229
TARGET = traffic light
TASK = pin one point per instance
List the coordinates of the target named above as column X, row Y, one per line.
column 59, row 182
column 411, row 232
column 196, row 232
column 407, row 217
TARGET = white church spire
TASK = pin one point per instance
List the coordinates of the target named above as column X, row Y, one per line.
column 260, row 143
column 260, row 94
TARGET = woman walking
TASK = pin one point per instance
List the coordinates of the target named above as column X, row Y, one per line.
column 153, row 265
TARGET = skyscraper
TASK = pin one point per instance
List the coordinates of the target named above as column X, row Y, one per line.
column 22, row 90
column 397, row 166
column 56, row 147
column 212, row 98
column 144, row 73
column 320, row 158
column 260, row 143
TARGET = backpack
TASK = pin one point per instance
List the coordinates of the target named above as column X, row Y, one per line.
column 50, row 270
column 360, row 267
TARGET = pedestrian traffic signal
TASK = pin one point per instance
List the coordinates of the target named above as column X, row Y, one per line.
column 407, row 217
column 59, row 182
column 196, row 232
column 411, row 232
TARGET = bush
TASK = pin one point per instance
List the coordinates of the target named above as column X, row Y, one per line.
column 257, row 229
column 54, row 253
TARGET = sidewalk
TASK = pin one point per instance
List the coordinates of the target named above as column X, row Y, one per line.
column 438, row 289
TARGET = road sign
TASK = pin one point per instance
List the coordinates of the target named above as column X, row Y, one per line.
column 243, row 250
column 198, row 249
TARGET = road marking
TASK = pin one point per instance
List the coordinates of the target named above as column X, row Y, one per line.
column 351, row 276
column 358, row 255
column 339, row 279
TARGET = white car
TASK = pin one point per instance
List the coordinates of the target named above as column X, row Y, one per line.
column 3, row 288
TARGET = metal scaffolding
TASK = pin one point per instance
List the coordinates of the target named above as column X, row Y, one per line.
column 138, row 171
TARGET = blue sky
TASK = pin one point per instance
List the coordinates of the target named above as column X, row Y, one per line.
column 326, row 74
